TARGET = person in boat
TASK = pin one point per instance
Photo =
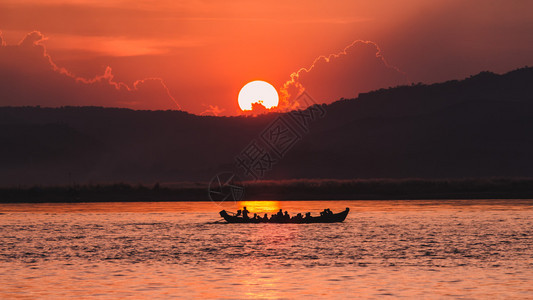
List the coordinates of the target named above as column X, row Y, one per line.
column 238, row 213
column 298, row 217
column 307, row 215
column 280, row 213
column 245, row 213
column 255, row 217
column 326, row 212
column 265, row 218
column 286, row 216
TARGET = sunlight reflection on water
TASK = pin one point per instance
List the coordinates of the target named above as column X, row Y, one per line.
column 480, row 248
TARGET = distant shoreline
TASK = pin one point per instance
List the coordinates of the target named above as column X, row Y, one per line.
column 317, row 189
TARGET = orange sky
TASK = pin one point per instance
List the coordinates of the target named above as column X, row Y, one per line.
column 205, row 51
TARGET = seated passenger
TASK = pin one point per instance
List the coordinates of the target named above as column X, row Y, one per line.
column 298, row 217
column 238, row 213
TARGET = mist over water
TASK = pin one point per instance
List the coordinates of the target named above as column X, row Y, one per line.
column 456, row 248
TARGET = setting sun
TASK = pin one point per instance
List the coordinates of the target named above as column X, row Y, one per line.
column 260, row 92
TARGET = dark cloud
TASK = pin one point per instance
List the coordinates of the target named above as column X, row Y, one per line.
column 28, row 76
column 360, row 67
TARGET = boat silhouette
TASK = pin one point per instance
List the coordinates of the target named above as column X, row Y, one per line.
column 324, row 218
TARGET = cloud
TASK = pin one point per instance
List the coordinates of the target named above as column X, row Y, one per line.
column 360, row 67
column 121, row 46
column 29, row 76
column 212, row 110
column 258, row 109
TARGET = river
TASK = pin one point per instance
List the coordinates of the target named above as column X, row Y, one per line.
column 444, row 248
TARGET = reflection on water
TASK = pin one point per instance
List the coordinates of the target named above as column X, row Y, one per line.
column 260, row 207
column 401, row 248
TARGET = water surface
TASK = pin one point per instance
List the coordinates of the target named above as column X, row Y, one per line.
column 455, row 248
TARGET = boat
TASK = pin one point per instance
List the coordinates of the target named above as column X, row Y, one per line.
column 326, row 218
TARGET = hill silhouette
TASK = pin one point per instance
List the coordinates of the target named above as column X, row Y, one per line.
column 477, row 127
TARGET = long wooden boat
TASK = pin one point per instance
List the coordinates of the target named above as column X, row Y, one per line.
column 328, row 218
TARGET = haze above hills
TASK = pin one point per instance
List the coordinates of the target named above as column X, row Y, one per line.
column 477, row 127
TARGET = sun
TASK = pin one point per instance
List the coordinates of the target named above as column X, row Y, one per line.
column 258, row 91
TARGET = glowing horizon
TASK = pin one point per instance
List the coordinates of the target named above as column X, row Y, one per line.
column 196, row 56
